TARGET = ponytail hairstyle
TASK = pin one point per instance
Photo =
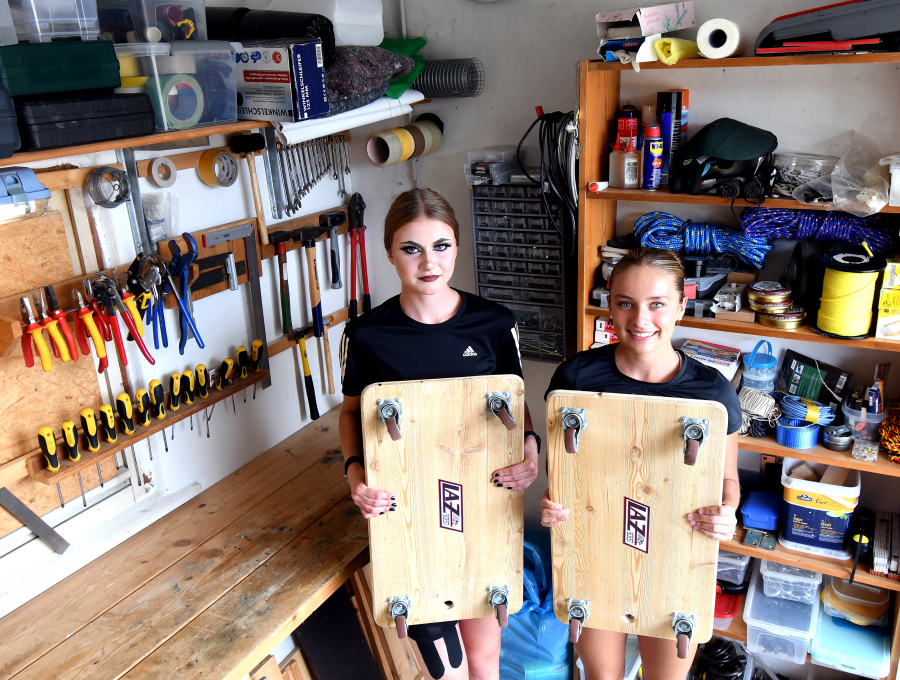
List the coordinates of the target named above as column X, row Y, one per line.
column 414, row 204
column 664, row 260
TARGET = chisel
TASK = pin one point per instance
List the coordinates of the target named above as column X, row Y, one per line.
column 70, row 440
column 47, row 442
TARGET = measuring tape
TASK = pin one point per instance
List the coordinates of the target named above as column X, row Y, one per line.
column 218, row 168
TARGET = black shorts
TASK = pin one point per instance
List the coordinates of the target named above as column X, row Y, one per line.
column 429, row 632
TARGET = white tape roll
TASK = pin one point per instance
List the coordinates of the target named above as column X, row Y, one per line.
column 162, row 172
column 435, row 134
column 384, row 148
column 719, row 38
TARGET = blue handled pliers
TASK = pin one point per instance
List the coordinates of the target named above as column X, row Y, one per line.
column 180, row 268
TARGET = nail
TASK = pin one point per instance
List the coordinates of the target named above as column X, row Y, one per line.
column 496, row 474
column 391, row 510
column 381, row 514
column 497, row 485
column 393, row 499
column 693, row 523
column 690, row 516
column 393, row 505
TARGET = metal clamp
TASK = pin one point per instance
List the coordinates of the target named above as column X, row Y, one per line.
column 683, row 625
column 579, row 613
column 694, row 432
column 498, row 404
column 574, row 422
column 390, row 412
column 498, row 596
column 399, row 609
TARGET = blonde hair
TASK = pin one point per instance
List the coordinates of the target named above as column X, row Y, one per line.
column 664, row 260
column 413, row 204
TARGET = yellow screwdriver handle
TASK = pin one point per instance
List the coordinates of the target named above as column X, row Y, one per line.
column 108, row 419
column 256, row 356
column 142, row 400
column 175, row 391
column 53, row 328
column 157, row 400
column 38, row 337
column 89, row 427
column 201, row 388
column 47, row 442
column 70, row 437
column 126, row 415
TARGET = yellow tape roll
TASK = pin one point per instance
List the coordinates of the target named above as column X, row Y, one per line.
column 218, row 168
column 435, row 134
column 129, row 67
column 384, row 148
column 134, row 81
column 407, row 141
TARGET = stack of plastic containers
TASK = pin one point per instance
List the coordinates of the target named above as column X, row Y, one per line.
column 862, row 651
column 789, row 583
column 732, row 567
column 153, row 21
column 44, row 20
column 778, row 627
column 727, row 607
column 856, row 602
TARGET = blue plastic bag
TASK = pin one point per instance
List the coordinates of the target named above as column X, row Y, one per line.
column 535, row 645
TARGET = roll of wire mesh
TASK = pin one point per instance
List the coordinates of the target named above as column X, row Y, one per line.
column 451, row 78
column 848, row 291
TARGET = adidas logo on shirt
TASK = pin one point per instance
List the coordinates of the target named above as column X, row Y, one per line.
column 470, row 352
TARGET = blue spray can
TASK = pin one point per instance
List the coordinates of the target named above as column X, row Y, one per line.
column 652, row 158
column 668, row 113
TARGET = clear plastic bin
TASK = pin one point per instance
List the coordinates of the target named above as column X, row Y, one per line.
column 491, row 279
column 500, row 294
column 493, row 154
column 544, row 268
column 864, row 425
column 541, row 297
column 799, row 168
column 551, row 320
column 515, row 192
column 789, row 583
column 861, row 604
column 483, row 206
column 732, row 567
column 152, row 20
column 780, row 628
column 527, row 317
column 190, row 83
column 541, row 283
column 727, row 607
column 44, row 20
column 851, row 649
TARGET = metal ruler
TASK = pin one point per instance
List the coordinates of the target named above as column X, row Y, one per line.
column 258, row 320
column 27, row 517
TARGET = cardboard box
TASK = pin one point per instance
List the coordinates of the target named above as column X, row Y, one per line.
column 887, row 327
column 889, row 298
column 813, row 379
column 891, row 280
column 654, row 19
column 745, row 315
column 281, row 81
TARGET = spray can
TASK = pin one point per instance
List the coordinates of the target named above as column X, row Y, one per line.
column 685, row 98
column 668, row 113
column 628, row 120
column 652, row 158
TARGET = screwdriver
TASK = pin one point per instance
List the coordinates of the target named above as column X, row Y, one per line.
column 158, row 406
column 174, row 395
column 202, row 390
column 108, row 422
column 226, row 372
column 187, row 392
column 255, row 360
column 89, row 427
column 243, row 366
column 126, row 413
column 47, row 442
column 70, row 439
column 142, row 403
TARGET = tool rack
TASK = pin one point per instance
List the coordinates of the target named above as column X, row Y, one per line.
column 599, row 88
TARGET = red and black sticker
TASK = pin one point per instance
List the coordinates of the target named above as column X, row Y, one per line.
column 637, row 525
column 451, row 497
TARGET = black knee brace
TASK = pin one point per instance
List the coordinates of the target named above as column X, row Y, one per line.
column 425, row 636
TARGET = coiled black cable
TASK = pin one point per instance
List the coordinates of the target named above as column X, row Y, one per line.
column 108, row 187
column 718, row 660
column 558, row 141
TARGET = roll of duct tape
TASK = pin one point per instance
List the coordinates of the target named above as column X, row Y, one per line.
column 384, row 148
column 418, row 139
column 426, row 134
column 162, row 172
column 407, row 141
column 435, row 134
column 177, row 102
column 218, row 168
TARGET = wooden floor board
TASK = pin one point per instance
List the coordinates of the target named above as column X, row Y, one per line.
column 232, row 636
column 121, row 637
column 39, row 626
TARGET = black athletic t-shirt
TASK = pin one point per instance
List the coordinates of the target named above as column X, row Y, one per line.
column 595, row 370
column 385, row 345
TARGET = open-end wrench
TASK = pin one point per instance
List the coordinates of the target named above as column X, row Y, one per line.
column 289, row 208
column 346, row 155
column 295, row 191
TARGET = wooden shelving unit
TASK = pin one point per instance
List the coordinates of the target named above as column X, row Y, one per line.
column 599, row 98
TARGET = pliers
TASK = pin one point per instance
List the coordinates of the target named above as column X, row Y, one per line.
column 60, row 350
column 60, row 316
column 94, row 306
column 106, row 291
column 33, row 333
column 153, row 279
column 186, row 314
column 85, row 323
column 180, row 268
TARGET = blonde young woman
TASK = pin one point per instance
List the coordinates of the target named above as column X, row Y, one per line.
column 646, row 299
column 430, row 331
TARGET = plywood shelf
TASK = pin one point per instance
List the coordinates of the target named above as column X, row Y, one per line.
column 802, row 560
column 804, row 333
column 664, row 195
column 37, row 466
column 745, row 62
column 819, row 454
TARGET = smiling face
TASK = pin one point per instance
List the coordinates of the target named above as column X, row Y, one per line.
column 645, row 305
column 424, row 252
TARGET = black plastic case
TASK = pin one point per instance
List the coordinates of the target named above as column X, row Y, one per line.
column 9, row 133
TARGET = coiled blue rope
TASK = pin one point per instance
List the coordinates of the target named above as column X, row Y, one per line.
column 796, row 434
column 662, row 230
column 769, row 224
column 793, row 408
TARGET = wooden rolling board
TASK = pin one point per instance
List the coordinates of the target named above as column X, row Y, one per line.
column 446, row 437
column 632, row 449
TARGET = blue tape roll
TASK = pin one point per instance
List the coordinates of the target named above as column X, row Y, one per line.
column 796, row 434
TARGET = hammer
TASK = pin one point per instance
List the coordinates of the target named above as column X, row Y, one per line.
column 246, row 146
column 307, row 236
column 279, row 240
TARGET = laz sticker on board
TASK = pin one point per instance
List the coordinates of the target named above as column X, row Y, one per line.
column 637, row 525
column 451, row 505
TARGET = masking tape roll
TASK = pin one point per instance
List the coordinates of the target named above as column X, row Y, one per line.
column 407, row 141
column 435, row 134
column 162, row 172
column 426, row 133
column 218, row 168
column 418, row 140
column 182, row 62
column 134, row 81
column 129, row 67
column 177, row 102
column 384, row 148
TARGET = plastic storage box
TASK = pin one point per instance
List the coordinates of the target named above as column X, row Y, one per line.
column 727, row 607
column 816, row 516
column 30, row 69
column 761, row 510
column 44, row 20
column 760, row 368
column 152, row 20
column 860, row 604
column 732, row 567
column 778, row 627
column 189, row 83
column 789, row 583
column 492, row 165
column 852, row 649
column 861, row 424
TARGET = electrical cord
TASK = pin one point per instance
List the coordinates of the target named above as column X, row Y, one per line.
column 662, row 230
column 769, row 224
column 719, row 660
column 794, row 408
column 558, row 142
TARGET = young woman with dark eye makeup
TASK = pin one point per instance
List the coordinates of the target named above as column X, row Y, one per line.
column 430, row 331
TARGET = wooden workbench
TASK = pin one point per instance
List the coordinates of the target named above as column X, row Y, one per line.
column 211, row 588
